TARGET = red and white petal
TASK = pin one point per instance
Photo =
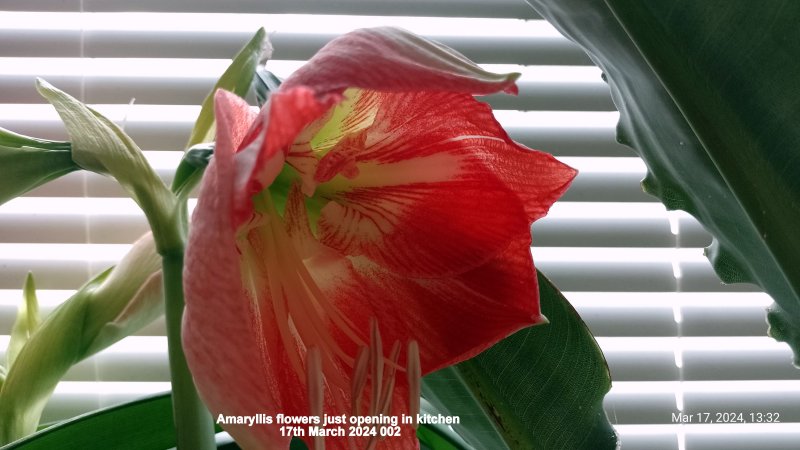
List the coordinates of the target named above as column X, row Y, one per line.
column 395, row 60
column 413, row 125
column 221, row 335
column 239, row 116
column 424, row 229
column 452, row 318
column 435, row 185
column 297, row 226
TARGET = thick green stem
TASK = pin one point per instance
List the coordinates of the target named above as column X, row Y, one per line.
column 193, row 423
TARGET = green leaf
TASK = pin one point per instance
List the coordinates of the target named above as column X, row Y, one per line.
column 436, row 437
column 26, row 323
column 541, row 388
column 113, row 305
column 237, row 79
column 101, row 146
column 191, row 168
column 15, row 140
column 264, row 83
column 144, row 424
column 708, row 94
column 32, row 162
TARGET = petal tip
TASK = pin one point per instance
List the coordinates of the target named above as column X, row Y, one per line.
column 511, row 83
column 540, row 319
column 224, row 97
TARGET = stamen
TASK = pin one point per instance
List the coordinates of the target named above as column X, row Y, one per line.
column 322, row 302
column 376, row 364
column 386, row 397
column 315, row 381
column 313, row 303
column 305, row 317
column 304, row 312
column 414, row 373
column 385, row 405
column 295, row 217
column 260, row 276
column 359, row 380
column 311, row 329
column 282, row 319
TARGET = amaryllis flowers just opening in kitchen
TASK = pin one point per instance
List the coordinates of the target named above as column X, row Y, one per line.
column 369, row 225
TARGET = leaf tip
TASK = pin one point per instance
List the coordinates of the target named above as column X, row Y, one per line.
column 542, row 320
column 43, row 85
column 265, row 46
column 30, row 284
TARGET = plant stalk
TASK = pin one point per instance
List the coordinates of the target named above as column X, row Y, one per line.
column 193, row 424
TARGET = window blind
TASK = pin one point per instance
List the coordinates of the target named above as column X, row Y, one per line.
column 676, row 339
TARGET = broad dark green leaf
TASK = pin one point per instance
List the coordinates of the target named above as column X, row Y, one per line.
column 30, row 162
column 140, row 425
column 435, row 437
column 143, row 424
column 709, row 96
column 237, row 79
column 146, row 424
column 541, row 388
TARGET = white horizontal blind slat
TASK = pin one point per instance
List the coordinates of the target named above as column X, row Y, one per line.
column 165, row 127
column 192, row 90
column 634, row 271
column 144, row 35
column 711, row 437
column 443, row 8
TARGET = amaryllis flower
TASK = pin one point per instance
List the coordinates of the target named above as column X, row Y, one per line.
column 370, row 225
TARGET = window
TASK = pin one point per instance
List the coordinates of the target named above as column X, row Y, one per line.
column 677, row 341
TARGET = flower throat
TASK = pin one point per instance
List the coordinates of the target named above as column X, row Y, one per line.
column 273, row 250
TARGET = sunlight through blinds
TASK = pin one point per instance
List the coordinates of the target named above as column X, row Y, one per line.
column 676, row 339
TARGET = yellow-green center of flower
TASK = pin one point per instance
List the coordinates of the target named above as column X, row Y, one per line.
column 314, row 142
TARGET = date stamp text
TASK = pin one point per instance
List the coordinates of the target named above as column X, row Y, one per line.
column 727, row 417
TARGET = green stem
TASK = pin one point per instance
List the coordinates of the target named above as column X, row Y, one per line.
column 193, row 423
